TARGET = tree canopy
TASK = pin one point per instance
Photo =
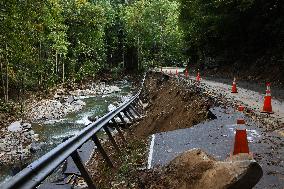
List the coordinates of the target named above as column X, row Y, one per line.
column 243, row 31
column 49, row 42
column 45, row 43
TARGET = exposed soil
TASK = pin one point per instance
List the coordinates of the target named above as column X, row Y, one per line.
column 170, row 106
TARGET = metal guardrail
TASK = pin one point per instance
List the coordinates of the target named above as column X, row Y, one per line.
column 33, row 175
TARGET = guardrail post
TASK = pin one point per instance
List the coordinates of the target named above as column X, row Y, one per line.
column 102, row 151
column 137, row 103
column 118, row 130
column 138, row 108
column 127, row 116
column 134, row 110
column 129, row 113
column 121, row 118
column 84, row 173
column 111, row 138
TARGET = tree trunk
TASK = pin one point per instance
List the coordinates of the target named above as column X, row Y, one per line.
column 40, row 71
column 56, row 64
column 23, row 92
column 138, row 54
column 123, row 57
column 7, row 76
column 63, row 72
column 3, row 80
column 7, row 82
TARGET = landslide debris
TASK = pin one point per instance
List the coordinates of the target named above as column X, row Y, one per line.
column 195, row 169
column 170, row 106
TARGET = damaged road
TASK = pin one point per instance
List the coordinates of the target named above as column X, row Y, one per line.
column 178, row 117
column 216, row 137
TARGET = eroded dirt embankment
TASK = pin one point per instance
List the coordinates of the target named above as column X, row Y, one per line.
column 168, row 106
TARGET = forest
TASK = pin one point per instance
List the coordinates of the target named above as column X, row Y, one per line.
column 45, row 43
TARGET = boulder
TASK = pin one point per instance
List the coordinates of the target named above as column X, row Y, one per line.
column 27, row 125
column 15, row 126
column 195, row 169
column 2, row 146
column 70, row 99
column 31, row 132
column 111, row 107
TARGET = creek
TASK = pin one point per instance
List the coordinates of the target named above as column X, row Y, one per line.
column 53, row 132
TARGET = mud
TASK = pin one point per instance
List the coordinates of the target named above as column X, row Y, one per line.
column 170, row 106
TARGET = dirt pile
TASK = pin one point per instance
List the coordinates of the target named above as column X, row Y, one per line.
column 170, row 106
column 195, row 169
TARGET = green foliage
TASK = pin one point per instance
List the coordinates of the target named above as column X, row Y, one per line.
column 86, row 22
column 152, row 28
column 232, row 30
column 115, row 71
column 7, row 107
column 45, row 42
column 53, row 41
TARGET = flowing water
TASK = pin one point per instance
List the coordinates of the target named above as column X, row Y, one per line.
column 53, row 132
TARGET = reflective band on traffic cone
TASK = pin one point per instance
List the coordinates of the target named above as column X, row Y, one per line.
column 267, row 107
column 234, row 87
column 241, row 142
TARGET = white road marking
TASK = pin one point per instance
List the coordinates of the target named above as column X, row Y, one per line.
column 150, row 157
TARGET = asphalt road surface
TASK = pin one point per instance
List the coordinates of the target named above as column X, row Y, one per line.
column 216, row 137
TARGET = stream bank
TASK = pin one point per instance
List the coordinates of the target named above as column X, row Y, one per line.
column 57, row 118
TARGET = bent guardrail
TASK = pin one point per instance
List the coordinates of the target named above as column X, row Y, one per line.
column 37, row 171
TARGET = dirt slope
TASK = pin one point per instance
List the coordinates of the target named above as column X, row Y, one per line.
column 170, row 106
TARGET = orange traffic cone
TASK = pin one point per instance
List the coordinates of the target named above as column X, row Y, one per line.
column 198, row 78
column 186, row 73
column 241, row 142
column 267, row 107
column 234, row 87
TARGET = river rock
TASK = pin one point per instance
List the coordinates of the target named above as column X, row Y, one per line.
column 27, row 125
column 16, row 143
column 2, row 146
column 111, row 107
column 54, row 109
column 63, row 103
column 36, row 137
column 15, row 126
column 126, row 98
column 70, row 99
